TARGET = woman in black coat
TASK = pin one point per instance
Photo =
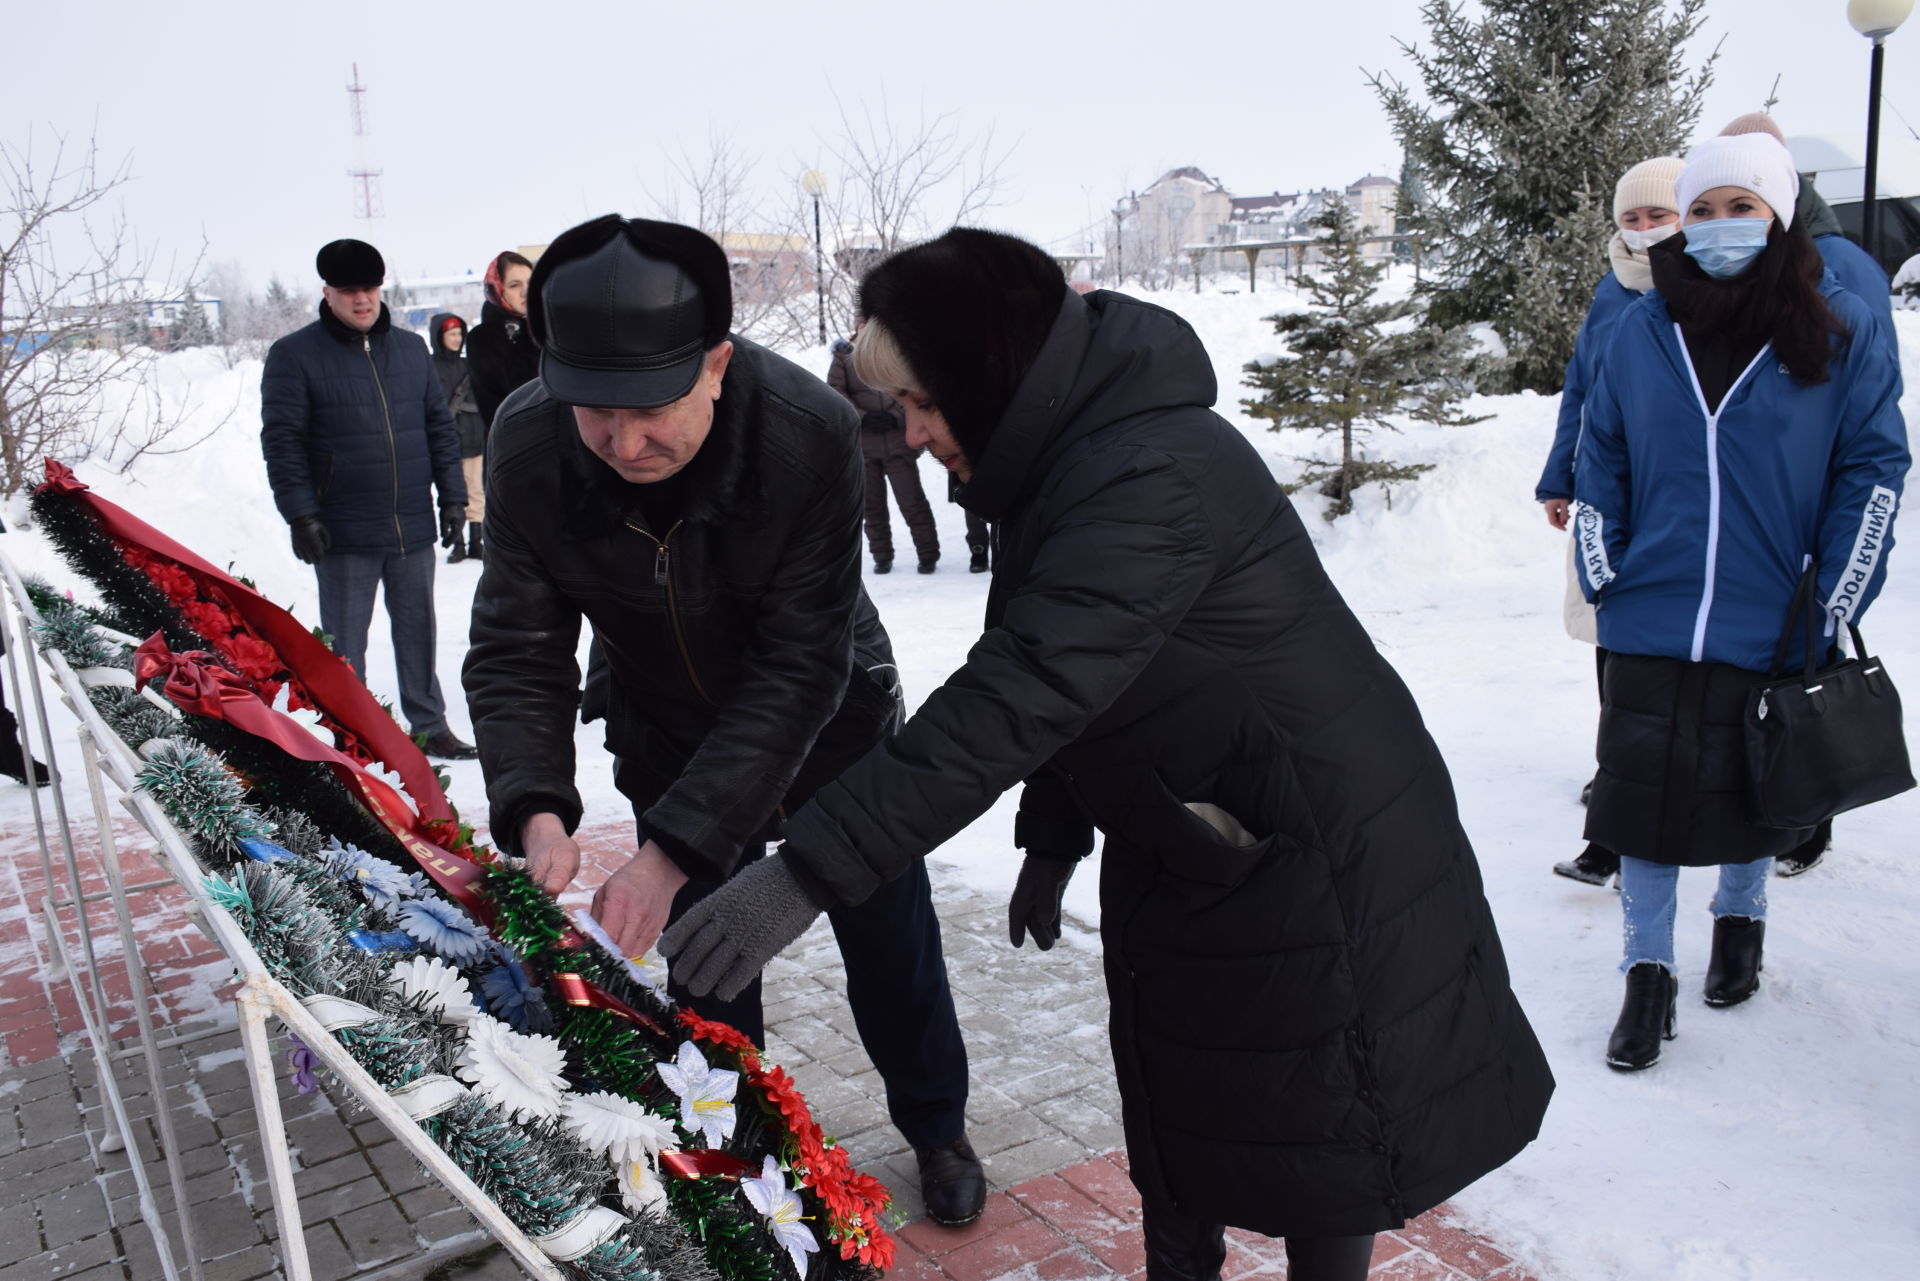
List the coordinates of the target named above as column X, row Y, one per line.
column 1313, row 1031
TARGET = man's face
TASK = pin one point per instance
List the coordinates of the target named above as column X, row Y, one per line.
column 513, row 288
column 646, row 445
column 355, row 308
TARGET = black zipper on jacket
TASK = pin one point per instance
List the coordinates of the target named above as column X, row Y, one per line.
column 393, row 449
column 663, row 577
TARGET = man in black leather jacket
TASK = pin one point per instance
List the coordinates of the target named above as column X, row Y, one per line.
column 697, row 500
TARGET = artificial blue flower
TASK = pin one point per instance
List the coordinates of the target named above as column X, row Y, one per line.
column 514, row 997
column 382, row 882
column 444, row 930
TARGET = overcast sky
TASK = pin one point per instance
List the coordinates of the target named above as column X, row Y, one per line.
column 499, row 124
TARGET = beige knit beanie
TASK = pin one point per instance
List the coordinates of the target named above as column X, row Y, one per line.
column 1754, row 122
column 1648, row 183
column 1752, row 161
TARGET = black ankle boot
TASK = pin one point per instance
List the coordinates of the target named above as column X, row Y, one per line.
column 1646, row 1018
column 474, row 547
column 1594, row 866
column 14, row 764
column 1733, row 974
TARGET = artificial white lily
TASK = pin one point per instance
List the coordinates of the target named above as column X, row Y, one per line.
column 772, row 1197
column 705, row 1093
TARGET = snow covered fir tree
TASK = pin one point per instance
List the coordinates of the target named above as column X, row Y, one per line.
column 1526, row 114
column 1358, row 362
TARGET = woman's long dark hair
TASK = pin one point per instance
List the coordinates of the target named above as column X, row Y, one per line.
column 1776, row 300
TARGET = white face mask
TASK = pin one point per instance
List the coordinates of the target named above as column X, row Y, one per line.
column 1641, row 241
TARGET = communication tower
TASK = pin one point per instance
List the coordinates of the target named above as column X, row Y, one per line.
column 366, row 179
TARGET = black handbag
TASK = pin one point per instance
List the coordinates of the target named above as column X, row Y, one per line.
column 1823, row 742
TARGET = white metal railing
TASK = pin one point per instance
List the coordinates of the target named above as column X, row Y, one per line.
column 106, row 761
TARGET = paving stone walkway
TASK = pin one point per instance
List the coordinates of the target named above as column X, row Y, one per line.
column 1042, row 1113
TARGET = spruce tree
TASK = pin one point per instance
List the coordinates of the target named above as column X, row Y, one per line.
column 1354, row 369
column 190, row 327
column 1531, row 111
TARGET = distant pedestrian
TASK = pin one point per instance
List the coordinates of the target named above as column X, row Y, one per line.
column 456, row 380
column 500, row 351
column 357, row 437
column 888, row 460
column 1643, row 216
column 979, row 536
column 1745, row 424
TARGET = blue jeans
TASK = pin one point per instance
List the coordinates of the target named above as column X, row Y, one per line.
column 348, row 581
column 1649, row 894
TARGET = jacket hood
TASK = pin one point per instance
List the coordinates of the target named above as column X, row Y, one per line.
column 1107, row 357
column 435, row 326
column 1813, row 213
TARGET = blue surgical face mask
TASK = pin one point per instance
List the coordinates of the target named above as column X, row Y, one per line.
column 1725, row 247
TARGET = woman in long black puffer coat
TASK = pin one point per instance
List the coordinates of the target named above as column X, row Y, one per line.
column 1313, row 1030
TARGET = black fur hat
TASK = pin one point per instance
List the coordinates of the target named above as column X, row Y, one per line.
column 350, row 264
column 969, row 312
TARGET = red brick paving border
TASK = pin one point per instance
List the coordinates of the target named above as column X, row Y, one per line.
column 1083, row 1224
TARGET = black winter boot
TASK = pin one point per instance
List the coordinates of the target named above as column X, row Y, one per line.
column 458, row 554
column 1646, row 1018
column 1594, row 866
column 952, row 1183
column 1733, row 974
column 883, row 564
column 977, row 562
column 14, row 764
column 1806, row 856
column 473, row 541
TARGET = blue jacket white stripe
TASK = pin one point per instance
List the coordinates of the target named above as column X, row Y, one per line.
column 1694, row 527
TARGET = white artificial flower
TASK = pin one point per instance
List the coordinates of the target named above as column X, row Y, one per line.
column 772, row 1197
column 640, row 1186
column 448, row 998
column 308, row 718
column 516, row 1071
column 620, row 1128
column 649, row 969
column 706, row 1093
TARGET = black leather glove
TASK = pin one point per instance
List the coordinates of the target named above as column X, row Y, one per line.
column 310, row 539
column 1035, row 907
column 452, row 517
column 727, row 938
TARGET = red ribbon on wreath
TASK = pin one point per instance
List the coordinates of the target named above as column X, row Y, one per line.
column 195, row 682
column 324, row 677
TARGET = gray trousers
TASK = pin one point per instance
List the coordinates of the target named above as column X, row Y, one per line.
column 348, row 581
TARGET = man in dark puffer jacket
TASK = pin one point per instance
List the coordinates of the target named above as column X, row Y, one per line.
column 697, row 500
column 357, row 436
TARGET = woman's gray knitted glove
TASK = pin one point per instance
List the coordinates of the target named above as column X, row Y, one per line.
column 727, row 938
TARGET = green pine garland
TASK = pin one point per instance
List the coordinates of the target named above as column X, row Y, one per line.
column 129, row 594
column 393, row 1051
column 717, row 1215
column 202, row 797
column 539, row 1174
column 528, row 919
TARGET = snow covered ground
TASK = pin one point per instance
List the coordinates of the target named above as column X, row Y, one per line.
column 1774, row 1140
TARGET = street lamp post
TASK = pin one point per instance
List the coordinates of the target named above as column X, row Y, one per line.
column 1876, row 20
column 814, row 183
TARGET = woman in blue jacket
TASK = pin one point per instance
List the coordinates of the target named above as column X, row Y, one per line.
column 1644, row 213
column 1745, row 423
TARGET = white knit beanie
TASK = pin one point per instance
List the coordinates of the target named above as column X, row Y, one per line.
column 1753, row 162
column 1648, row 183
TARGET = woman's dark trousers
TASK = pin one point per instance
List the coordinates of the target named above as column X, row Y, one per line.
column 1180, row 1248
column 890, row 461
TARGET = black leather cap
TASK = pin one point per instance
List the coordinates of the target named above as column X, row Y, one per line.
column 350, row 264
column 625, row 311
